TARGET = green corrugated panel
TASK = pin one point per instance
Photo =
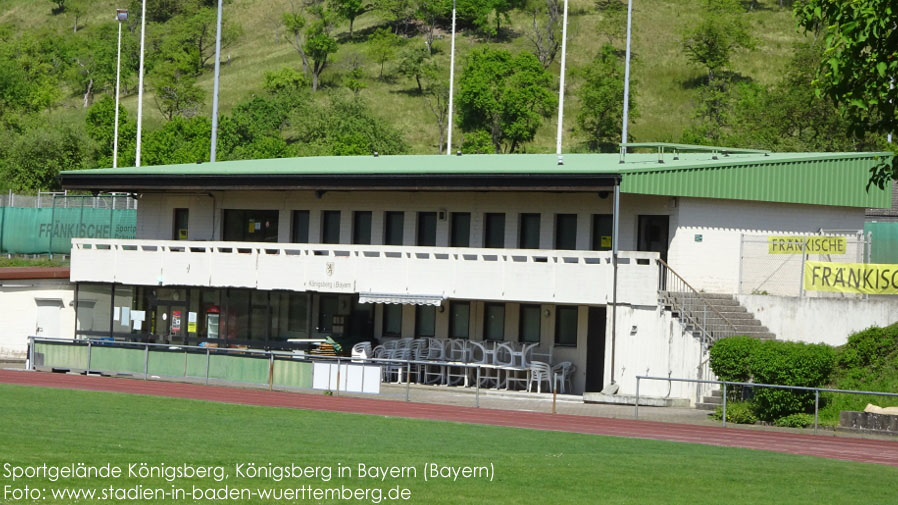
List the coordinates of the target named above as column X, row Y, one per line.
column 239, row 369
column 837, row 181
column 196, row 365
column 62, row 356
column 885, row 242
column 293, row 374
column 167, row 363
column 117, row 359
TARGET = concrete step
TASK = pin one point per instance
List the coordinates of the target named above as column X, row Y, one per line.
column 717, row 392
column 716, row 400
column 706, row 406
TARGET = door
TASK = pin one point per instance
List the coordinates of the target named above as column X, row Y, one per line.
column 48, row 314
column 169, row 322
column 595, row 349
column 653, row 234
column 327, row 309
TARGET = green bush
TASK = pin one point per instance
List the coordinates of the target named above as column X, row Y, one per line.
column 870, row 348
column 791, row 364
column 737, row 412
column 729, row 358
column 795, row 421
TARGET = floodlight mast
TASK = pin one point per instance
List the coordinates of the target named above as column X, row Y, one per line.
column 143, row 30
column 214, row 142
column 451, row 80
column 623, row 141
column 121, row 15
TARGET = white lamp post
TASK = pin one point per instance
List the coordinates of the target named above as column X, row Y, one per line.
column 451, row 81
column 143, row 29
column 121, row 15
column 214, row 143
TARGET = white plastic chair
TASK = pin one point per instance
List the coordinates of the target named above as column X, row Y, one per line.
column 481, row 355
column 539, row 372
column 361, row 351
column 563, row 373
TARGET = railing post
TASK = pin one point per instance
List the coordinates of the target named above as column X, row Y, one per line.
column 208, row 354
column 554, row 390
column 30, row 353
column 270, row 371
column 816, row 407
column 88, row 356
column 636, row 406
column 146, row 361
column 337, row 389
column 724, row 404
column 477, row 389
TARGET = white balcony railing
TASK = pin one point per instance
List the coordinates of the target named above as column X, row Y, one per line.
column 526, row 275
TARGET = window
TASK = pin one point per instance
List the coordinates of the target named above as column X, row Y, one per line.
column 179, row 230
column 529, row 327
column 494, row 321
column 300, row 232
column 250, row 225
column 425, row 320
column 361, row 227
column 602, row 231
column 566, row 231
column 461, row 229
column 393, row 227
column 392, row 320
column 459, row 319
column 330, row 227
column 298, row 314
column 566, row 326
column 494, row 230
column 528, row 236
column 427, row 228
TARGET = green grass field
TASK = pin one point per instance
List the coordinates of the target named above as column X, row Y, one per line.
column 59, row 427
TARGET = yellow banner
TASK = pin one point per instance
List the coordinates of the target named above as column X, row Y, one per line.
column 780, row 244
column 870, row 279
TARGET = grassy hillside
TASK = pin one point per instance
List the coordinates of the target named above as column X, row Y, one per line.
column 666, row 81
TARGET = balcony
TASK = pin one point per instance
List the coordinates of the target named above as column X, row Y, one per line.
column 524, row 275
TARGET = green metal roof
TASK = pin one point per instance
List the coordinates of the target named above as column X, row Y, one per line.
column 810, row 178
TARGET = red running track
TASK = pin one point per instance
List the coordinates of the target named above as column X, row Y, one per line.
column 852, row 449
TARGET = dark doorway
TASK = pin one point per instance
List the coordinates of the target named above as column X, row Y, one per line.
column 653, row 234
column 361, row 321
column 250, row 225
column 595, row 349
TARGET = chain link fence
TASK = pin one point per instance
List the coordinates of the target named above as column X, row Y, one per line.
column 774, row 264
column 62, row 199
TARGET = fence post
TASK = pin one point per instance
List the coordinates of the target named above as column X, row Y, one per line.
column 30, row 353
column 554, row 390
column 408, row 379
column 88, row 355
column 337, row 389
column 52, row 227
column 816, row 407
column 146, row 361
column 636, row 407
column 801, row 276
column 270, row 371
column 208, row 353
column 724, row 404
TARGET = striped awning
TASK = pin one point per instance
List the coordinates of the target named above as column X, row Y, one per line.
column 401, row 298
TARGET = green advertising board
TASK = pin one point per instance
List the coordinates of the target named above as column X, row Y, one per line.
column 51, row 230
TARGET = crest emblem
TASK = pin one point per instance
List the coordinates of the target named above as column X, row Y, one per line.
column 330, row 269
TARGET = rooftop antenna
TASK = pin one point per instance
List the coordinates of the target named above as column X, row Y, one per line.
column 561, row 86
column 451, row 81
column 623, row 147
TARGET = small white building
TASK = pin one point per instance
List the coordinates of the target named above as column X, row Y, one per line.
column 484, row 247
column 34, row 301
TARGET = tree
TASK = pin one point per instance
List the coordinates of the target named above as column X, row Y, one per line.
column 312, row 40
column 100, row 127
column 719, row 33
column 181, row 140
column 544, row 31
column 382, row 46
column 612, row 19
column 195, row 32
column 436, row 95
column 350, row 9
column 176, row 91
column 397, row 12
column 506, row 95
column 36, row 157
column 344, row 127
column 859, row 63
column 430, row 12
column 414, row 62
column 601, row 100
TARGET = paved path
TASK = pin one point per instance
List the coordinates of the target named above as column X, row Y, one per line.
column 853, row 449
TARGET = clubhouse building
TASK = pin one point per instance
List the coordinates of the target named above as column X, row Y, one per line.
column 579, row 257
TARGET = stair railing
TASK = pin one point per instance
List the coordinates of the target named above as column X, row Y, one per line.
column 693, row 308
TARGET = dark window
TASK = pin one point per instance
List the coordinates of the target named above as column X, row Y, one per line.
column 179, row 231
column 250, row 225
column 459, row 319
column 529, row 326
column 393, row 227
column 494, row 321
column 461, row 229
column 566, row 325
column 602, row 231
column 361, row 227
column 300, row 232
column 528, row 238
column 327, row 309
column 425, row 320
column 330, row 227
column 566, row 231
column 392, row 323
column 652, row 234
column 427, row 228
column 494, row 230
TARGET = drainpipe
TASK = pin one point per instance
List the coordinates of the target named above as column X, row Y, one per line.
column 614, row 250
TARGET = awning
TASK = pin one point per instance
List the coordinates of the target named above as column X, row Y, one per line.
column 401, row 298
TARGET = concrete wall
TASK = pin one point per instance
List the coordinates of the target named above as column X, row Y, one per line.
column 26, row 305
column 819, row 320
column 713, row 264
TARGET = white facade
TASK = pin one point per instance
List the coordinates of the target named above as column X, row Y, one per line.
column 34, row 307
